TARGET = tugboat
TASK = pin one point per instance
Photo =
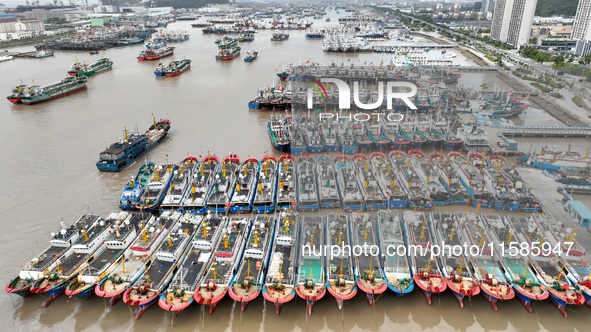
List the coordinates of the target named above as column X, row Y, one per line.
column 195, row 198
column 370, row 189
column 349, row 191
column 307, row 189
column 157, row 187
column 455, row 268
column 41, row 264
column 286, row 180
column 101, row 65
column 340, row 271
column 179, row 184
column 280, row 282
column 245, row 187
column 162, row 266
column 179, row 294
column 177, row 67
column 125, row 230
column 425, row 268
column 250, row 277
column 327, row 183
column 226, row 55
column 35, row 94
column 368, row 268
column 266, row 191
column 251, row 56
column 311, row 283
column 134, row 264
column 77, row 258
column 388, row 181
column 221, row 270
column 396, row 265
column 125, row 151
column 224, row 184
column 134, row 188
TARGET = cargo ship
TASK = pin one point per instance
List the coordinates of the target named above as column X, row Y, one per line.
column 81, row 69
column 226, row 55
column 152, row 54
column 38, row 94
column 174, row 68
column 125, row 151
column 16, row 94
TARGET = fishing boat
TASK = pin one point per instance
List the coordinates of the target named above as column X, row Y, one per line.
column 278, row 133
column 226, row 54
column 16, row 93
column 286, row 181
column 101, row 65
column 266, row 191
column 388, row 181
column 93, row 231
column 372, row 192
column 125, row 151
column 525, row 198
column 340, row 272
column 450, row 178
column 311, row 281
column 279, row 37
column 494, row 285
column 392, row 131
column 500, row 185
column 174, row 68
column 578, row 272
column 363, row 138
column 307, row 188
column 161, row 268
column 328, row 133
column 417, row 193
column 159, row 53
column 313, row 138
column 35, row 94
column 245, row 187
column 427, row 172
column 40, row 265
column 135, row 187
column 179, row 184
column 280, row 281
column 346, row 140
column 250, row 278
column 129, row 41
column 455, row 268
column 201, row 183
column 179, row 294
column 251, row 56
column 134, row 264
column 155, row 44
column 349, row 191
column 368, row 269
column 157, row 187
column 125, row 230
column 224, row 184
column 297, row 139
column 221, row 270
column 380, row 139
column 144, row 53
column 395, row 262
column 473, row 180
column 328, row 192
column 226, row 42
column 526, row 286
column 425, row 268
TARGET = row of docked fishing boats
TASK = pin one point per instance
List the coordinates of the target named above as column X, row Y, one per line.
column 359, row 182
column 308, row 135
column 176, row 259
column 75, row 82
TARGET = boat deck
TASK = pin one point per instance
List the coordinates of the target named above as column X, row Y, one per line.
column 104, row 259
column 156, row 274
column 49, row 257
column 71, row 262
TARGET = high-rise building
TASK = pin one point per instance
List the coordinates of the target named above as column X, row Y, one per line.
column 488, row 6
column 582, row 24
column 512, row 21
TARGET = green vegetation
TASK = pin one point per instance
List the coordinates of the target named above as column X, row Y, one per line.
column 542, row 88
column 583, row 71
column 586, row 60
column 556, row 95
column 536, row 55
column 523, row 71
column 556, row 7
column 189, row 3
column 578, row 101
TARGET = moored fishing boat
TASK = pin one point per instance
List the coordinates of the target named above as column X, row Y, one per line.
column 177, row 67
column 93, row 231
column 473, row 179
column 179, row 184
column 146, row 290
column 455, row 268
column 427, row 172
column 578, row 272
column 349, row 191
column 345, row 138
column 179, row 294
column 245, row 187
column 223, row 185
column 418, row 195
column 388, row 181
column 101, row 65
column 195, row 197
column 328, row 192
column 340, row 272
column 307, row 188
column 135, row 187
column 280, row 282
column 368, row 269
column 312, row 136
column 157, row 187
column 226, row 42
column 328, row 132
column 250, row 275
column 286, row 180
column 221, row 270
column 372, row 192
column 278, row 133
column 311, row 281
column 125, row 229
column 494, row 285
column 266, row 191
column 395, row 262
column 133, row 264
column 251, row 56
column 425, row 268
column 363, row 138
column 279, row 37
column 37, row 94
column 449, row 177
column 226, row 54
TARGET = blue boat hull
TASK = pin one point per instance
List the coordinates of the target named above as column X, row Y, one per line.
column 397, row 204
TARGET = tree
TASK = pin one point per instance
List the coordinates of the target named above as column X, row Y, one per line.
column 477, row 6
column 585, row 60
column 559, row 60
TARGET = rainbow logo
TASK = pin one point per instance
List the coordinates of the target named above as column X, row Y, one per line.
column 322, row 96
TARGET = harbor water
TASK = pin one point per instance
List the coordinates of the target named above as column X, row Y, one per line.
column 48, row 174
